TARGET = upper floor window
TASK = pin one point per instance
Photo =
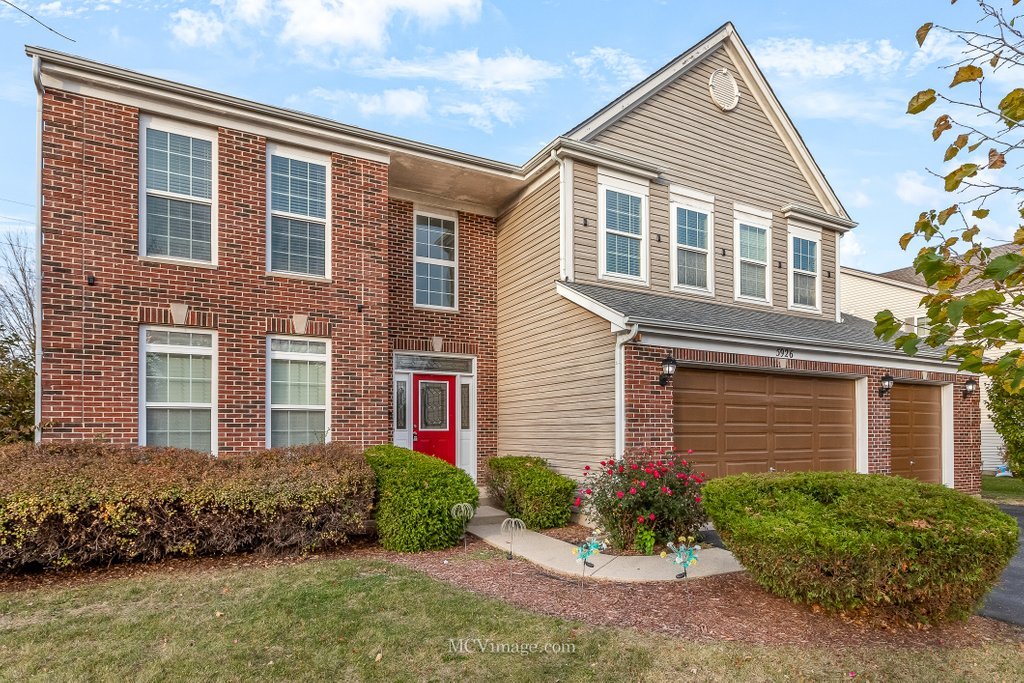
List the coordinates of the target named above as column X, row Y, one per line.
column 299, row 210
column 693, row 237
column 753, row 254
column 804, row 269
column 178, row 393
column 299, row 392
column 436, row 261
column 178, row 213
column 622, row 216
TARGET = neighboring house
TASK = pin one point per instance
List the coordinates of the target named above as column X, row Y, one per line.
column 864, row 294
column 227, row 275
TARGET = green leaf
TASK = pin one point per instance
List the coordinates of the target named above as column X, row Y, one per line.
column 1012, row 106
column 955, row 312
column 1002, row 267
column 980, row 213
column 966, row 74
column 921, row 101
column 922, row 33
column 957, row 176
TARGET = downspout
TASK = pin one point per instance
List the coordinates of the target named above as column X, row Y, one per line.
column 621, row 339
column 566, row 269
column 839, row 279
column 38, row 294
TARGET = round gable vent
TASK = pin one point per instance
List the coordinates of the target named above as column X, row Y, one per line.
column 724, row 91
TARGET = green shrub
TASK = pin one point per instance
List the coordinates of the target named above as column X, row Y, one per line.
column 886, row 547
column 415, row 495
column 70, row 504
column 1007, row 411
column 527, row 489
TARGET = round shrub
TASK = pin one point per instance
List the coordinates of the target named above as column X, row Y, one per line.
column 415, row 495
column 75, row 503
column 887, row 547
column 527, row 489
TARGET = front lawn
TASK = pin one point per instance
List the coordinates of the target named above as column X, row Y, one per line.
column 368, row 619
column 1002, row 488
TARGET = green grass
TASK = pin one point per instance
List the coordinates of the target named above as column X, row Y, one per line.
column 330, row 619
column 1002, row 488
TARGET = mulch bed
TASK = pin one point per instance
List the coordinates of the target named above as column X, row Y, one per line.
column 728, row 607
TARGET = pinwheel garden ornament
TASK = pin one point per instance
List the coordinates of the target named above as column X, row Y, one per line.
column 583, row 552
column 683, row 555
column 463, row 512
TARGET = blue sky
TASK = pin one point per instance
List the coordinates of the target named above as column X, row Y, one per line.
column 501, row 79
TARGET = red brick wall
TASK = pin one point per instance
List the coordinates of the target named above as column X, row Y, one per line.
column 90, row 334
column 649, row 406
column 471, row 330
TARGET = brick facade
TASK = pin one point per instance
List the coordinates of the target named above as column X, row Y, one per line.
column 90, row 334
column 649, row 405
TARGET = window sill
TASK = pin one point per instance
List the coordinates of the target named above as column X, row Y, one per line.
column 438, row 309
column 696, row 291
column 750, row 300
column 178, row 262
column 804, row 309
column 625, row 279
column 298, row 276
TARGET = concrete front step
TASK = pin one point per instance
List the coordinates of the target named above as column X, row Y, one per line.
column 555, row 555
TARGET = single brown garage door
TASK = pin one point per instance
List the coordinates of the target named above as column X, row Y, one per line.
column 916, row 411
column 752, row 422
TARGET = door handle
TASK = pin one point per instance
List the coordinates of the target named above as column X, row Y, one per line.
column 415, row 436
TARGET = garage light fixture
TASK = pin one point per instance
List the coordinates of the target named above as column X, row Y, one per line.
column 970, row 387
column 668, row 368
column 887, row 382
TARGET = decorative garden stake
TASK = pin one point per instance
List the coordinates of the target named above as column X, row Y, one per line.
column 683, row 555
column 463, row 512
column 589, row 547
column 512, row 527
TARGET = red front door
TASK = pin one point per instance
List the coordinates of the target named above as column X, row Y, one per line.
column 433, row 416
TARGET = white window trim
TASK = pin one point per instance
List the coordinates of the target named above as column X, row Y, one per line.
column 756, row 218
column 171, row 126
column 299, row 154
column 194, row 350
column 287, row 355
column 810, row 235
column 619, row 182
column 447, row 216
column 693, row 200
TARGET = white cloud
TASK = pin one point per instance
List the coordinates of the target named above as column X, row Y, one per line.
column 610, row 67
column 803, row 58
column 483, row 113
column 858, row 199
column 880, row 108
column 248, row 11
column 398, row 104
column 850, row 250
column 512, row 72
column 196, row 28
column 314, row 26
column 918, row 190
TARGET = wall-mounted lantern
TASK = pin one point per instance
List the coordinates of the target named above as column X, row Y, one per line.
column 668, row 368
column 970, row 387
column 887, row 381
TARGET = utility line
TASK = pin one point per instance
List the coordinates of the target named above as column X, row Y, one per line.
column 48, row 28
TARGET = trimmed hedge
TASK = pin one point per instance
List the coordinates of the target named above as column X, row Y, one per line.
column 885, row 547
column 415, row 495
column 76, row 503
column 527, row 489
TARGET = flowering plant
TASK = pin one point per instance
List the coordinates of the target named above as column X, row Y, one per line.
column 648, row 489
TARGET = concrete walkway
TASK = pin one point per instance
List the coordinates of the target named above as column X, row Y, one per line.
column 556, row 556
column 1006, row 601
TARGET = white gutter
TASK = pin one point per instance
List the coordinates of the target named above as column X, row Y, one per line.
column 38, row 294
column 621, row 339
column 566, row 268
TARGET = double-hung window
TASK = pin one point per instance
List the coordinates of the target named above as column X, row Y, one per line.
column 179, row 389
column 299, row 391
column 804, row 268
column 436, row 261
column 753, row 237
column 178, row 212
column 299, row 210
column 622, row 217
column 692, row 241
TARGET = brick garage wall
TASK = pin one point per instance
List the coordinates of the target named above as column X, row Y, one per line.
column 649, row 405
column 471, row 330
column 90, row 334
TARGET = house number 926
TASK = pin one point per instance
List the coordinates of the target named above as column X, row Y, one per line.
column 783, row 352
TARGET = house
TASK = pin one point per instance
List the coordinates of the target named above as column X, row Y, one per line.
column 864, row 294
column 226, row 275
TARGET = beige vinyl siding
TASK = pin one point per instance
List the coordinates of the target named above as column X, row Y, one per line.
column 556, row 366
column 991, row 442
column 736, row 156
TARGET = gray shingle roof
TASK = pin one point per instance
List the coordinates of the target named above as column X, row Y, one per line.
column 908, row 275
column 689, row 314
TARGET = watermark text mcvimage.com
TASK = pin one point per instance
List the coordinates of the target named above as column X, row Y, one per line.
column 470, row 646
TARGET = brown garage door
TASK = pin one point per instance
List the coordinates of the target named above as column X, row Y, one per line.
column 917, row 431
column 750, row 422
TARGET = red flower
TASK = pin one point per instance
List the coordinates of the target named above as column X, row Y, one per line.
column 651, row 516
column 620, row 494
column 697, row 499
column 656, row 474
column 633, row 491
column 610, row 472
column 664, row 489
column 689, row 451
column 577, row 502
column 587, row 468
column 621, row 469
column 588, row 492
column 603, row 463
column 635, row 466
column 643, row 484
column 640, row 520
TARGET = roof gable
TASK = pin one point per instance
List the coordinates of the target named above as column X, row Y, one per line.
column 728, row 40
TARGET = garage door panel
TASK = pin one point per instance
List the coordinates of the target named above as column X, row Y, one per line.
column 756, row 421
column 916, row 424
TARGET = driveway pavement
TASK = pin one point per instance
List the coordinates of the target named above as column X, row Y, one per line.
column 1006, row 601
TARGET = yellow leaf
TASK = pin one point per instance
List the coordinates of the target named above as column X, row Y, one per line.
column 922, row 33
column 995, row 58
column 921, row 101
column 957, row 176
column 942, row 124
column 995, row 160
column 961, row 140
column 1012, row 106
column 966, row 74
column 945, row 214
column 905, row 240
column 951, row 152
column 980, row 213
